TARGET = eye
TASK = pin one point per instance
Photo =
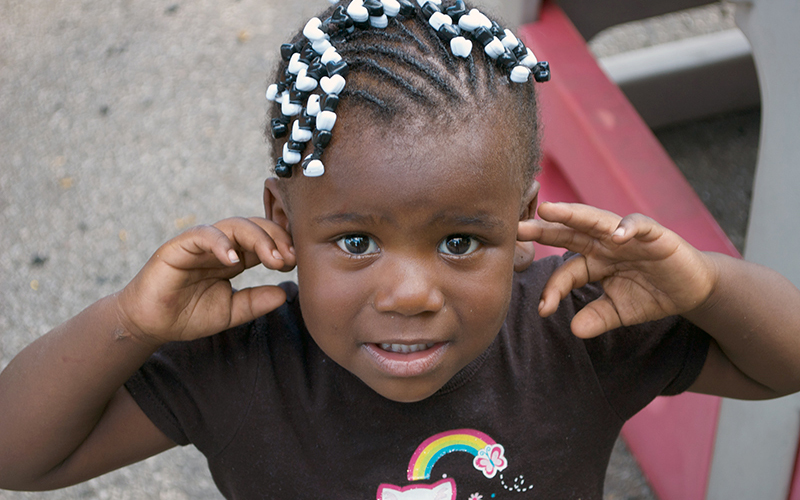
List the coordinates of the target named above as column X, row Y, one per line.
column 459, row 244
column 358, row 244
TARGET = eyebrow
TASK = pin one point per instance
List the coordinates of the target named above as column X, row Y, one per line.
column 483, row 221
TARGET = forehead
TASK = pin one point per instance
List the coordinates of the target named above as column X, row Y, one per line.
column 416, row 160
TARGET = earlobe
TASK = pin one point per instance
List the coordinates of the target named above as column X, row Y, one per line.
column 274, row 206
column 524, row 251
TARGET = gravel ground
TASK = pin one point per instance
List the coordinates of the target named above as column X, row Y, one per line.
column 123, row 122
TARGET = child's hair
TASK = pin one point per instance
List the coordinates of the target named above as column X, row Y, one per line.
column 406, row 70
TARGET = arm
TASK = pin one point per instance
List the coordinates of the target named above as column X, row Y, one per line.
column 65, row 416
column 649, row 272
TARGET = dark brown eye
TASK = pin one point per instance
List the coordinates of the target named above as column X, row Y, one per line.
column 459, row 244
column 357, row 244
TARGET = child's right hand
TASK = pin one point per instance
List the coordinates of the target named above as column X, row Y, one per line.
column 184, row 292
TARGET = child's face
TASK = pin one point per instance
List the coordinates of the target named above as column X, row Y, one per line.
column 405, row 253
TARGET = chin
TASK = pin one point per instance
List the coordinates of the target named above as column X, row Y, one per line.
column 412, row 393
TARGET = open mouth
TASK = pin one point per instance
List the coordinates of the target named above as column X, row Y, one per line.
column 406, row 348
column 407, row 360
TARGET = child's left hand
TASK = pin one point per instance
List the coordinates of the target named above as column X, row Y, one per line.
column 647, row 271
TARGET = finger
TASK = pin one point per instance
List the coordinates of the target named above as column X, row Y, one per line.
column 282, row 239
column 251, row 303
column 572, row 274
column 253, row 242
column 637, row 226
column 199, row 247
column 596, row 318
column 554, row 234
column 592, row 221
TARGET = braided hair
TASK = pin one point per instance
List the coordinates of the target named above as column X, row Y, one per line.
column 400, row 67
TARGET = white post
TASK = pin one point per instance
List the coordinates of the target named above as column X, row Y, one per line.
column 757, row 443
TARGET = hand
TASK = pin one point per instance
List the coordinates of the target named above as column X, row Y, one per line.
column 647, row 272
column 184, row 292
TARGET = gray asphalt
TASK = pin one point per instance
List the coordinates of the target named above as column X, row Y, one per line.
column 124, row 122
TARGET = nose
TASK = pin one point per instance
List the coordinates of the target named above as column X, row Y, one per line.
column 408, row 287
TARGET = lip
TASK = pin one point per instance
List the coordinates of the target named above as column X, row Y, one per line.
column 407, row 365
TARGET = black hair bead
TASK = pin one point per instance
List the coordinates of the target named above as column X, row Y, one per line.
column 296, row 146
column 520, row 51
column 507, row 60
column 279, row 129
column 407, row 8
column 483, row 35
column 541, row 72
column 457, row 10
column 316, row 70
column 282, row 169
column 497, row 30
column 428, row 10
column 374, row 7
column 287, row 50
column 337, row 68
column 298, row 96
column 307, row 55
column 281, row 87
column 329, row 102
column 307, row 121
column 448, row 31
column 321, row 139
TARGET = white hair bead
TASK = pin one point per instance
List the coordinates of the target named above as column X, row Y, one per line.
column 289, row 108
column 321, row 45
column 305, row 83
column 469, row 23
column 314, row 168
column 326, row 120
column 461, row 47
column 438, row 19
column 357, row 11
column 312, row 30
column 529, row 61
column 520, row 74
column 495, row 48
column 330, row 55
column 480, row 16
column 300, row 134
column 312, row 107
column 510, row 41
column 422, row 3
column 391, row 7
column 295, row 64
column 379, row 22
column 289, row 156
column 272, row 92
column 332, row 85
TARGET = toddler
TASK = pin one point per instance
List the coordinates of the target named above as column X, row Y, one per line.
column 423, row 354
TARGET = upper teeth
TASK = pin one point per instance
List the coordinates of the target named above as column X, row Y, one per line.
column 405, row 348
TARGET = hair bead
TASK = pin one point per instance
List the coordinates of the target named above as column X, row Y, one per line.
column 315, row 63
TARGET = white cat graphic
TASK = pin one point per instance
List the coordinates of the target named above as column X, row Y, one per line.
column 442, row 490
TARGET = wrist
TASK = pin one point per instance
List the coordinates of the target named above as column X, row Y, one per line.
column 128, row 329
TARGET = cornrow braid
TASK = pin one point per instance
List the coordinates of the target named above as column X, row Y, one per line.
column 392, row 55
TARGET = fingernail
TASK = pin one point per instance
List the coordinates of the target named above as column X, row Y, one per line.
column 233, row 256
column 291, row 249
column 277, row 254
column 619, row 232
column 541, row 304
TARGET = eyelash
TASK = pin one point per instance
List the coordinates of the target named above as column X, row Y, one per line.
column 373, row 248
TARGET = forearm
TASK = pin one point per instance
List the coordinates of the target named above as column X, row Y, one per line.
column 754, row 315
column 55, row 391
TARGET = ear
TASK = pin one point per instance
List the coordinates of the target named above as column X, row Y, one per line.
column 274, row 206
column 524, row 251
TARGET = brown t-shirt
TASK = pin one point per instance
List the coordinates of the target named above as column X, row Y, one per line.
column 535, row 416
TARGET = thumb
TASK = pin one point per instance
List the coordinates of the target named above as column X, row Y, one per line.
column 596, row 317
column 251, row 303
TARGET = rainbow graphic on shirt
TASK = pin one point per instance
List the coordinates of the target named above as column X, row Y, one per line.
column 439, row 445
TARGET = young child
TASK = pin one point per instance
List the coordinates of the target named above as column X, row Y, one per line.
column 422, row 353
